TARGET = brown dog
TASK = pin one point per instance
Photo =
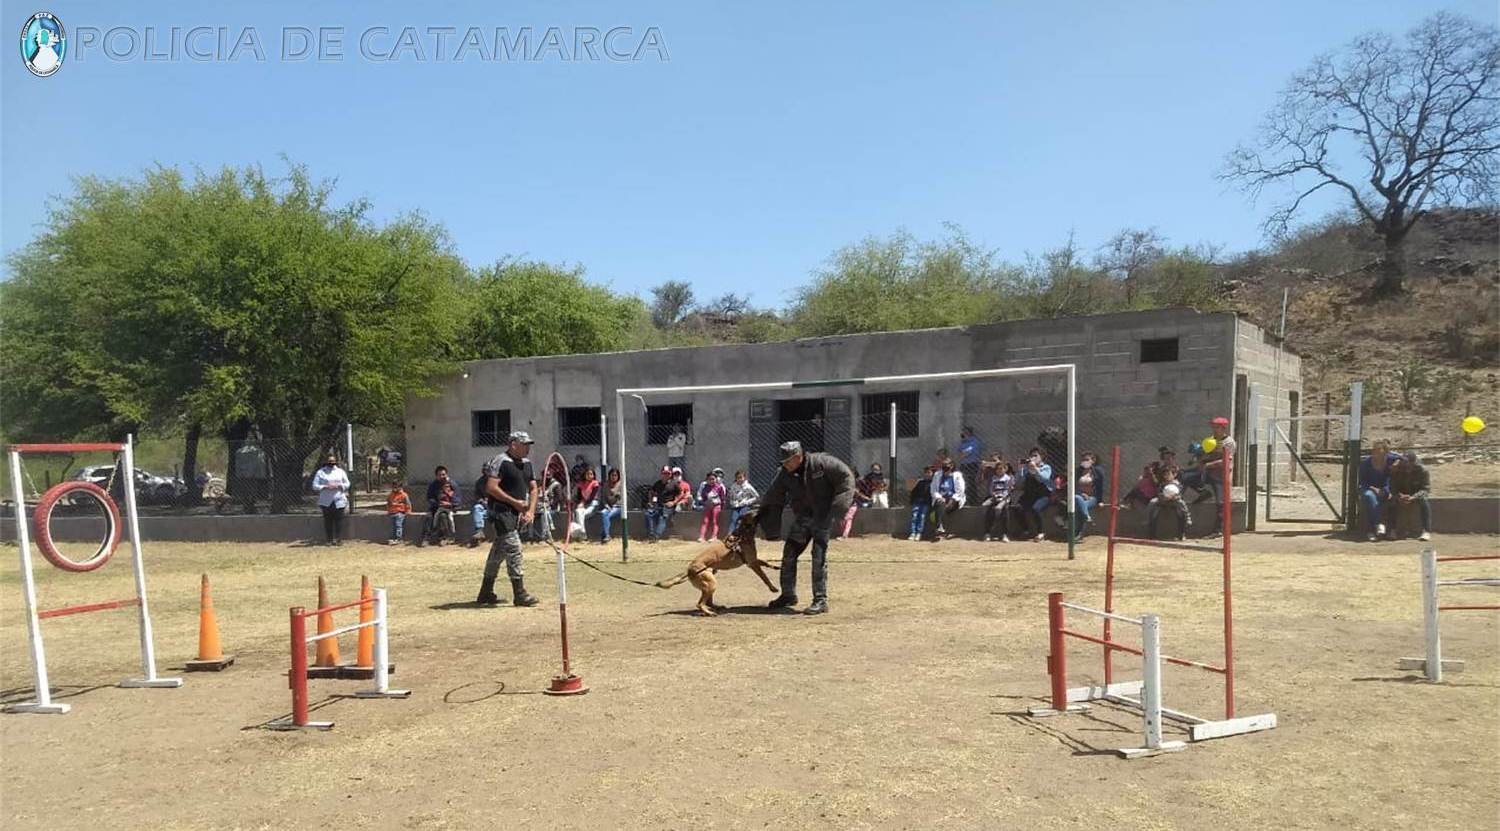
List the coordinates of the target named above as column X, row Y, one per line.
column 735, row 550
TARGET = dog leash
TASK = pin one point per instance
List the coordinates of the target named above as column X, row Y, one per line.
column 570, row 555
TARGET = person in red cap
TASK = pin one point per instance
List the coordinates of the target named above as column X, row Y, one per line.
column 1210, row 472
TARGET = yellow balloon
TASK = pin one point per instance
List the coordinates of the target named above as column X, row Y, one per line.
column 1209, row 444
column 1472, row 425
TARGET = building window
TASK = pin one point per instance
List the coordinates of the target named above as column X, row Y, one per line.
column 1158, row 350
column 662, row 418
column 578, row 425
column 875, row 415
column 491, row 428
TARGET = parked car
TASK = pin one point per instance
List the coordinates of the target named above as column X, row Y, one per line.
column 149, row 487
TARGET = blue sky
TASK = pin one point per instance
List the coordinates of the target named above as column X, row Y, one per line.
column 771, row 135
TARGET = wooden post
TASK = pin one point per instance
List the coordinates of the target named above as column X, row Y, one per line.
column 1327, row 411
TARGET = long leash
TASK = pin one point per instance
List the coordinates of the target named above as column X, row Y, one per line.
column 570, row 555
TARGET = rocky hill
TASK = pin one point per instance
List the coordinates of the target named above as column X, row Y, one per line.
column 1426, row 358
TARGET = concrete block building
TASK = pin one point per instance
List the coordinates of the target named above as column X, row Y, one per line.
column 1145, row 379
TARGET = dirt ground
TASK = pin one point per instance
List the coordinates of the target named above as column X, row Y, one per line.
column 900, row 709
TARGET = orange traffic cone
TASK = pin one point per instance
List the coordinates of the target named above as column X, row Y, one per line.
column 211, row 656
column 326, row 664
column 364, row 657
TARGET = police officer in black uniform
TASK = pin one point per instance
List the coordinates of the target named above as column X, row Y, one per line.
column 818, row 488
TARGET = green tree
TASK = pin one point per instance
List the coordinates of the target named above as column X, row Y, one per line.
column 900, row 283
column 233, row 302
column 525, row 308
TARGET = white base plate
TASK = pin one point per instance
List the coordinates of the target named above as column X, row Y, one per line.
column 1143, row 752
column 33, row 707
column 386, row 694
column 151, row 682
column 286, row 724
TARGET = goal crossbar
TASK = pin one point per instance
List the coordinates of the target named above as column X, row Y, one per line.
column 1069, row 370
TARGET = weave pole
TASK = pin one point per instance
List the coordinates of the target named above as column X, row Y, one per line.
column 567, row 683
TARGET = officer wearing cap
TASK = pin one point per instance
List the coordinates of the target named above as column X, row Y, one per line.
column 511, row 486
column 818, row 488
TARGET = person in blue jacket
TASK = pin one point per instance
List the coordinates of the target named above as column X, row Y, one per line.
column 1375, row 486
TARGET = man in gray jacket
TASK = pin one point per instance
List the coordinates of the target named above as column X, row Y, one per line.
column 818, row 488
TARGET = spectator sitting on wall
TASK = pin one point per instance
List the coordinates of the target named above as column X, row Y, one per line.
column 1091, row 478
column 861, row 499
column 920, row 499
column 949, row 494
column 684, row 499
column 1149, row 482
column 1375, row 486
column 742, row 495
column 1036, row 492
column 997, row 506
column 1411, row 482
column 478, row 511
column 677, row 443
column 659, row 505
column 877, row 488
column 609, row 502
column 549, row 500
column 1168, row 495
column 585, row 500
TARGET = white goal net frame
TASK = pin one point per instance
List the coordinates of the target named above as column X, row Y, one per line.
column 642, row 394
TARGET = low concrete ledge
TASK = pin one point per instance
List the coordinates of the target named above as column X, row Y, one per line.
column 1475, row 515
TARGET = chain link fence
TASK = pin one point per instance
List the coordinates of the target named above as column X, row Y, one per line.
column 255, row 475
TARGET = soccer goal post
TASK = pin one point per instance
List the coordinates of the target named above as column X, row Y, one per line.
column 901, row 422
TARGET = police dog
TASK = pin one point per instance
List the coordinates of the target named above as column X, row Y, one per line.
column 735, row 550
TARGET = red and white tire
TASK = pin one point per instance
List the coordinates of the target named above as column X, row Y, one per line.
column 42, row 521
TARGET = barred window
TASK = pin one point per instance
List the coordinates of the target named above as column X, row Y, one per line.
column 578, row 425
column 661, row 418
column 490, row 428
column 875, row 415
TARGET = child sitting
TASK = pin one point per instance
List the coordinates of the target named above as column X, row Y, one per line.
column 397, row 506
column 921, row 503
column 997, row 504
column 1169, row 495
column 478, row 512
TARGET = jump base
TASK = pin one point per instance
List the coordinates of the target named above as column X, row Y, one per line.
column 286, row 724
column 1143, row 752
column 1047, row 712
column 1420, row 664
column 151, row 682
column 358, row 673
column 383, row 694
column 1199, row 729
column 34, row 707
column 566, row 685
column 211, row 665
column 328, row 672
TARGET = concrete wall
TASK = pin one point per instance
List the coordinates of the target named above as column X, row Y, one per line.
column 1458, row 515
column 1121, row 400
column 1256, row 356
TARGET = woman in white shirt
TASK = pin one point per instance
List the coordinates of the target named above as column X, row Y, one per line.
column 332, row 486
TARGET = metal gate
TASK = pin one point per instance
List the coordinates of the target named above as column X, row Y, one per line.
column 1330, row 472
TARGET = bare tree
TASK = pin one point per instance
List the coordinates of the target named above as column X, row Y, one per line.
column 1396, row 127
column 670, row 301
column 730, row 306
column 1128, row 255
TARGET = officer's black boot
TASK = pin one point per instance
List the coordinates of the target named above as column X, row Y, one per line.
column 519, row 595
column 487, row 596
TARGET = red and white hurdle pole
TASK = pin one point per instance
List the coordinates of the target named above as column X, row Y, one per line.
column 567, row 683
column 1057, row 662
